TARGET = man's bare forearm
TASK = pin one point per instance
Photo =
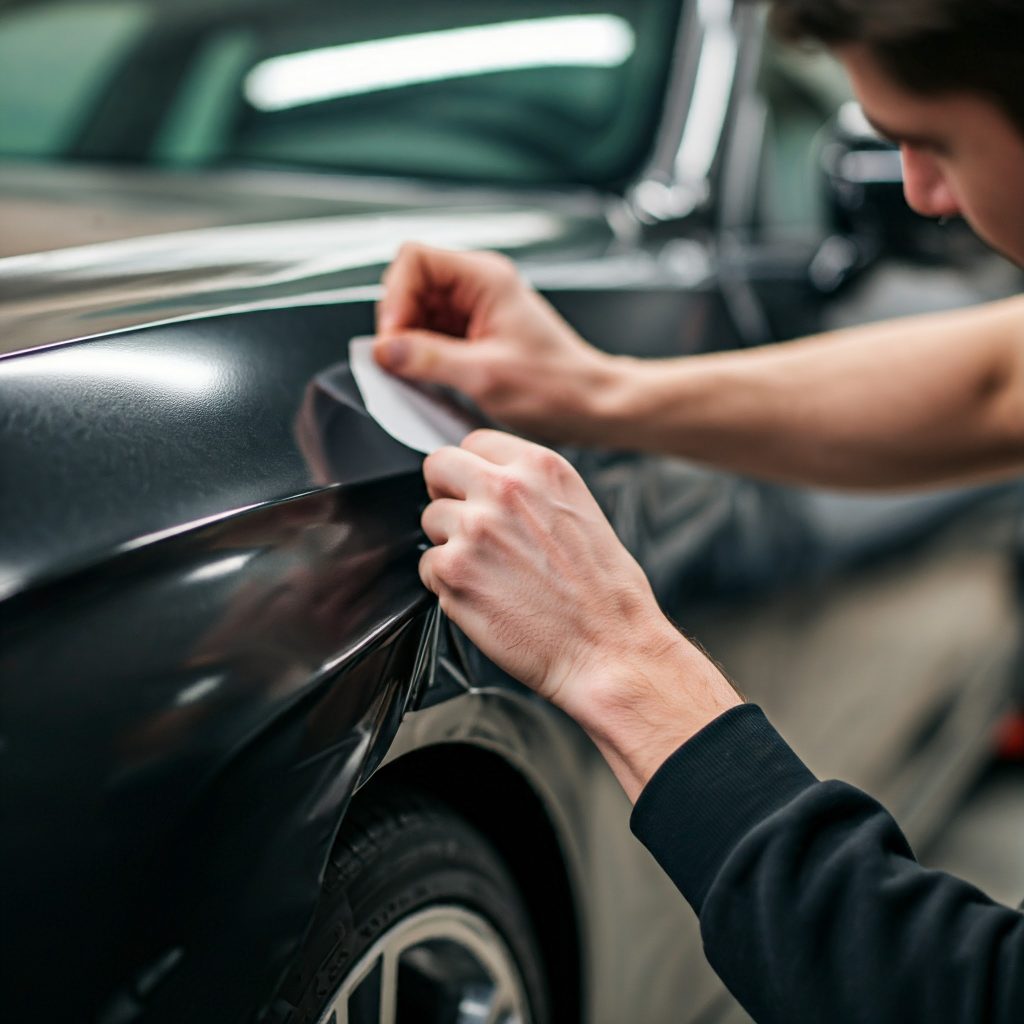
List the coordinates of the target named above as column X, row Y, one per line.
column 927, row 400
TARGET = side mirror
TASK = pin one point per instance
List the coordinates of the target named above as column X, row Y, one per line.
column 864, row 195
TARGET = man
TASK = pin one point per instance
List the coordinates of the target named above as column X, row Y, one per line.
column 812, row 907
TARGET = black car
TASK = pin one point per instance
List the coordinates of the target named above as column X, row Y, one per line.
column 248, row 772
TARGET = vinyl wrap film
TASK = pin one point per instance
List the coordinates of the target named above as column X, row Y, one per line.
column 189, row 697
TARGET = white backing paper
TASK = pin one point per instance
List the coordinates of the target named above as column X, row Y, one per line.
column 410, row 414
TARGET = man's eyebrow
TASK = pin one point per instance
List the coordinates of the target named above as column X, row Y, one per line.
column 897, row 137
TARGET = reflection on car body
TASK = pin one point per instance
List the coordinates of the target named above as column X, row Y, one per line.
column 215, row 650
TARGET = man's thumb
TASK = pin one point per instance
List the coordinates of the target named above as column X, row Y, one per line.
column 424, row 355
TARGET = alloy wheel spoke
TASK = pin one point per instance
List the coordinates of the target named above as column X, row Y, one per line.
column 445, row 946
column 502, row 1008
column 388, row 986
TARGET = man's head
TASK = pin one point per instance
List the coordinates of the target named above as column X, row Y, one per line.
column 942, row 79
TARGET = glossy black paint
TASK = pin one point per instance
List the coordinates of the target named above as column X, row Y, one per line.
column 213, row 614
column 224, row 240
column 211, row 622
column 112, row 440
column 184, row 726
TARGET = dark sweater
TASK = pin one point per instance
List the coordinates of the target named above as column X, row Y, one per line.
column 811, row 905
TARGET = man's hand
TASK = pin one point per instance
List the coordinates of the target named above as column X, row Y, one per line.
column 529, row 568
column 469, row 321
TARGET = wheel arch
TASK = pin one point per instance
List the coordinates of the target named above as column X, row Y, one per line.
column 498, row 799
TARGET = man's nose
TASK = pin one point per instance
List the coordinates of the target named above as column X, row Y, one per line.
column 925, row 185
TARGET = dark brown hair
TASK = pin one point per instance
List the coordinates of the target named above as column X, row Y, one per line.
column 928, row 46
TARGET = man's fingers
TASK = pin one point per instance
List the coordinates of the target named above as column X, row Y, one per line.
column 496, row 446
column 415, row 272
column 454, row 473
column 428, row 571
column 405, row 286
column 431, row 357
column 441, row 519
column 420, row 272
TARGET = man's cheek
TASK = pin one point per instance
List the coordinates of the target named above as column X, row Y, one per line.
column 1001, row 226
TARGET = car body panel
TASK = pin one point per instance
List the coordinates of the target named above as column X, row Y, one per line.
column 198, row 711
column 211, row 622
column 260, row 253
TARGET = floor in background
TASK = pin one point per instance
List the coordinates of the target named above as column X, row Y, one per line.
column 984, row 842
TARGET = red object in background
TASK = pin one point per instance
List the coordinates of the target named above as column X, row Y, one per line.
column 1010, row 738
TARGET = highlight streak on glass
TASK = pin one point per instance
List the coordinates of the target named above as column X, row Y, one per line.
column 294, row 79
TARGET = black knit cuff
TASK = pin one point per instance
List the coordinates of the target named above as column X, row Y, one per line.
column 711, row 792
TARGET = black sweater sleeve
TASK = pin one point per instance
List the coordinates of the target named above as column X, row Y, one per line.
column 812, row 907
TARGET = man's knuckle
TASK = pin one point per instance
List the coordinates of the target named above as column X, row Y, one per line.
column 430, row 466
column 477, row 526
column 501, row 262
column 486, row 385
column 438, row 461
column 502, row 269
column 475, row 438
column 427, row 570
column 428, row 517
column 550, row 465
column 456, row 567
column 510, row 489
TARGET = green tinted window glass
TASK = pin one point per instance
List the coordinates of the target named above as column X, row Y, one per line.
column 198, row 125
column 496, row 90
column 54, row 59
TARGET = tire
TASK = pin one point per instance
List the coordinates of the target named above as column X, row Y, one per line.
column 417, row 903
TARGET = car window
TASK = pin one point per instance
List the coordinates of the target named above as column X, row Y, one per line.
column 54, row 61
column 496, row 90
column 802, row 92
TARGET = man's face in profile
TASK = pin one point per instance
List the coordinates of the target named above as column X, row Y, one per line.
column 962, row 154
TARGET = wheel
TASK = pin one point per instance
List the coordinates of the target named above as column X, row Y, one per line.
column 419, row 922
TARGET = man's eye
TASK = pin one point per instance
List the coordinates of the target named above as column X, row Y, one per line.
column 927, row 147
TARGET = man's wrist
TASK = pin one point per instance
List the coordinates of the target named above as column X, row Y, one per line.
column 647, row 404
column 616, row 405
column 642, row 710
